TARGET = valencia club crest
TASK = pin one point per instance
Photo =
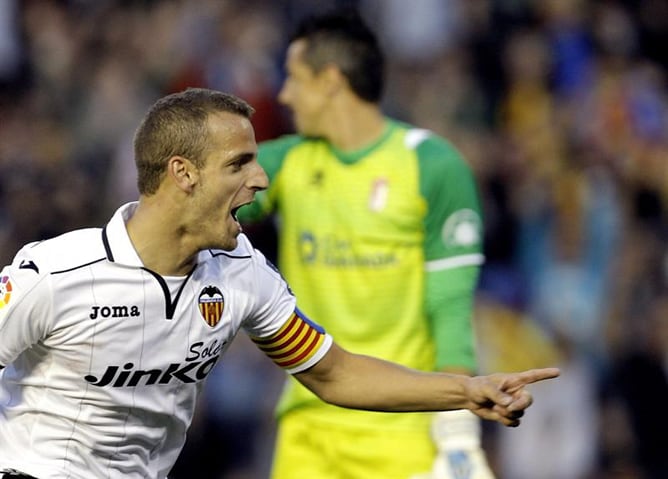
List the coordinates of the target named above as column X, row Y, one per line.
column 211, row 303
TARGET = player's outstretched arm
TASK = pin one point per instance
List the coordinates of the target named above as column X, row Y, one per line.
column 362, row 382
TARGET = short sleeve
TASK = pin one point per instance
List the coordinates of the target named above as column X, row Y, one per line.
column 453, row 225
column 278, row 328
column 297, row 345
column 25, row 306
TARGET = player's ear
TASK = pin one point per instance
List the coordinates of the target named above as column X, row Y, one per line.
column 332, row 79
column 183, row 173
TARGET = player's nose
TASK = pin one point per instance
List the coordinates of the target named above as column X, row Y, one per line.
column 258, row 179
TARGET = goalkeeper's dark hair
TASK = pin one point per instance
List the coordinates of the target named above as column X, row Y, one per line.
column 342, row 37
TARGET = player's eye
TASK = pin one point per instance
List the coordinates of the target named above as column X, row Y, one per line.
column 239, row 163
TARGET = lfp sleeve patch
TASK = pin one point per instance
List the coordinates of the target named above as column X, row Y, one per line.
column 5, row 291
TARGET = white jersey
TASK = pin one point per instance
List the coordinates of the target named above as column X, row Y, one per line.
column 103, row 359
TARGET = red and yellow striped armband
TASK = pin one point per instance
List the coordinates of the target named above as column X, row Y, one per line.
column 298, row 345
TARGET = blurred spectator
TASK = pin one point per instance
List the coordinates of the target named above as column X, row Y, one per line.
column 11, row 47
column 643, row 366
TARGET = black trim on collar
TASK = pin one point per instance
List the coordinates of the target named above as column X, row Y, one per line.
column 170, row 306
column 223, row 253
column 105, row 242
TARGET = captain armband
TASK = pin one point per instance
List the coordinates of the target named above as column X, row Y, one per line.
column 299, row 343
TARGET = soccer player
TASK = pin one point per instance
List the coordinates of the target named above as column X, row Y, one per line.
column 380, row 236
column 107, row 334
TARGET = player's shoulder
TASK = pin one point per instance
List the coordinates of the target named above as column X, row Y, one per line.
column 434, row 151
column 287, row 141
column 244, row 259
column 287, row 144
column 65, row 252
column 273, row 153
column 422, row 138
column 281, row 156
column 281, row 145
column 244, row 251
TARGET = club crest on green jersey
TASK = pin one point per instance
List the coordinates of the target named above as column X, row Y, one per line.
column 379, row 192
column 211, row 304
column 462, row 229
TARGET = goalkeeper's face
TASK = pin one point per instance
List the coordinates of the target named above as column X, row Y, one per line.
column 305, row 92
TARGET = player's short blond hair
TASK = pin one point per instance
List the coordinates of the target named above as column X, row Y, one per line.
column 177, row 124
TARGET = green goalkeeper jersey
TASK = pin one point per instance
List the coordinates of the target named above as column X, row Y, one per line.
column 382, row 246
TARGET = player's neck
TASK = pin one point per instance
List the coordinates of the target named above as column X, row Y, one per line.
column 158, row 243
column 357, row 127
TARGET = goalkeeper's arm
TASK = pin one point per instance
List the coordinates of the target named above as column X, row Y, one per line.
column 456, row 434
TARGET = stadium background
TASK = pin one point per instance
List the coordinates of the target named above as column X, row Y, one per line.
column 559, row 105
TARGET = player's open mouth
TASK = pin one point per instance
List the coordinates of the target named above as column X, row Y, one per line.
column 235, row 210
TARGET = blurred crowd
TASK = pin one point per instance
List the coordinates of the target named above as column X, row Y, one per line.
column 561, row 108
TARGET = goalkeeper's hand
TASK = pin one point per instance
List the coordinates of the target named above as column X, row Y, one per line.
column 456, row 435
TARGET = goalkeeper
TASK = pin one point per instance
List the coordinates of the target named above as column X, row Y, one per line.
column 380, row 235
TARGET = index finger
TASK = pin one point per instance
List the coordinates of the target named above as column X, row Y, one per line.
column 531, row 376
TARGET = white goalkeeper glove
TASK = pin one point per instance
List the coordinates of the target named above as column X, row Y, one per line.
column 456, row 435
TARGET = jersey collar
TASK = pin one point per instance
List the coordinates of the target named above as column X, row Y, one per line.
column 350, row 157
column 116, row 240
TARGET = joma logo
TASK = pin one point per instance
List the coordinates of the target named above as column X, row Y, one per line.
column 113, row 312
